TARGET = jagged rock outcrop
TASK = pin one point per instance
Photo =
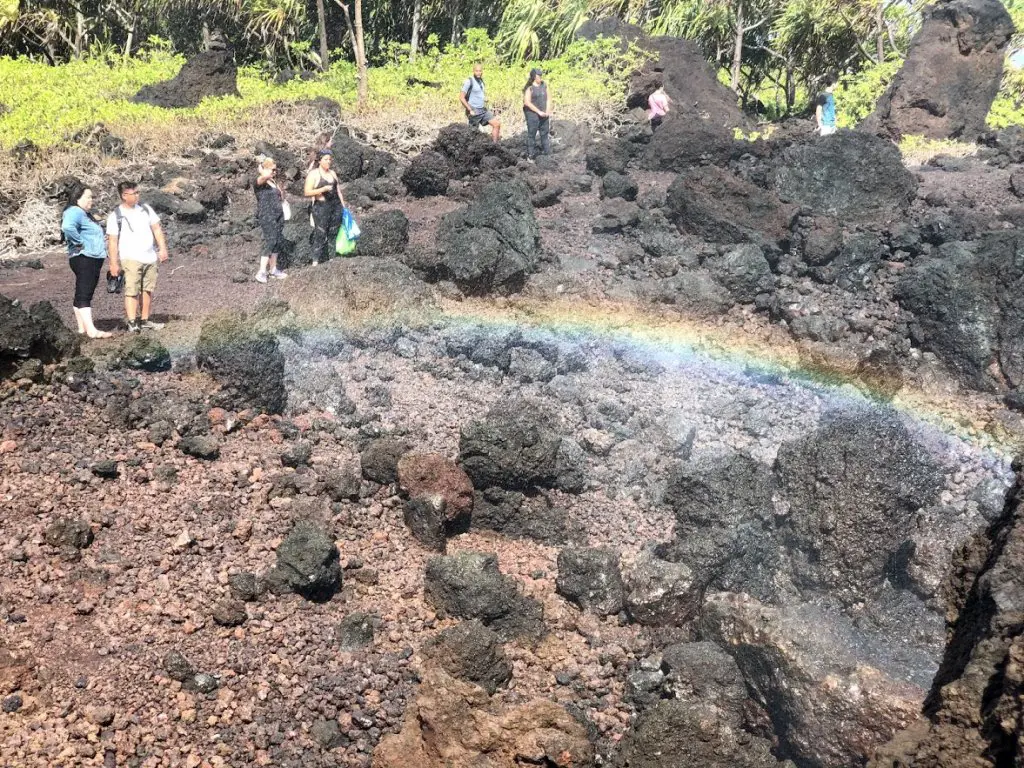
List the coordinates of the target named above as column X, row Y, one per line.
column 245, row 361
column 951, row 74
column 966, row 300
column 38, row 333
column 210, row 73
column 720, row 207
column 828, row 706
column 974, row 715
column 852, row 489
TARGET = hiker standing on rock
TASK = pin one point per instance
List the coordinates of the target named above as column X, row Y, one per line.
column 324, row 190
column 270, row 204
column 660, row 105
column 825, row 108
column 136, row 243
column 474, row 100
column 537, row 109
column 86, row 254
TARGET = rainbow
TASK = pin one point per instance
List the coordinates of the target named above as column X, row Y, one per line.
column 754, row 352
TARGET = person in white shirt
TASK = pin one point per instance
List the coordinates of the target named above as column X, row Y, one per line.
column 135, row 242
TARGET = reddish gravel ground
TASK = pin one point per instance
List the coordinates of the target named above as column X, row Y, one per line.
column 82, row 637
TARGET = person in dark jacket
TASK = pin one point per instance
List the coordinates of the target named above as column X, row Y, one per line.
column 87, row 250
column 537, row 109
column 270, row 204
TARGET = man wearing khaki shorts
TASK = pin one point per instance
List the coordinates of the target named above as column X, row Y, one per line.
column 135, row 242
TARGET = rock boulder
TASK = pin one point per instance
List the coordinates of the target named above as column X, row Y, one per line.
column 722, row 208
column 951, row 74
column 850, row 175
column 246, row 362
column 853, row 489
column 451, row 724
column 471, row 652
column 207, row 74
column 470, row 586
column 492, row 244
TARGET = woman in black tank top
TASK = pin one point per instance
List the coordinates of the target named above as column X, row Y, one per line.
column 324, row 191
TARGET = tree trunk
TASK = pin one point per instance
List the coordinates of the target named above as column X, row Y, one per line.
column 355, row 34
column 414, row 42
column 737, row 52
column 361, row 74
column 321, row 23
column 79, row 34
column 880, row 20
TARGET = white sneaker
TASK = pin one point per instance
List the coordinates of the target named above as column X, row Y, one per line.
column 261, row 277
column 315, row 264
column 278, row 274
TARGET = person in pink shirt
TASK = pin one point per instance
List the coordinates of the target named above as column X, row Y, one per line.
column 659, row 103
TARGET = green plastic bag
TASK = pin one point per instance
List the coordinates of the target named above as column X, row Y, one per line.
column 344, row 245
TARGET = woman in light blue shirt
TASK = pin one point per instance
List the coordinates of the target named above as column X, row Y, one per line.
column 87, row 250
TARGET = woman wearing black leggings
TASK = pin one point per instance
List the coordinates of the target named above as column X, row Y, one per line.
column 87, row 251
column 324, row 190
column 537, row 110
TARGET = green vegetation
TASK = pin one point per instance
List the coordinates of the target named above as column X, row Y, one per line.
column 773, row 53
column 48, row 105
column 856, row 94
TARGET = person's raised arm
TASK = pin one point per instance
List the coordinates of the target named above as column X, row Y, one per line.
column 264, row 177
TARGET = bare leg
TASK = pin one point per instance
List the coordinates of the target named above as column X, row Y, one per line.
column 90, row 329
column 131, row 307
column 147, row 301
column 495, row 130
column 78, row 320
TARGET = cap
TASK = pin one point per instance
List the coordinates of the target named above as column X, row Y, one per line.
column 323, row 152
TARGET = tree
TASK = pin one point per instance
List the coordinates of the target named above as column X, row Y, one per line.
column 321, row 25
column 355, row 31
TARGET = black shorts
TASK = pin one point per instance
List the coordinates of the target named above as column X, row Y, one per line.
column 481, row 118
column 273, row 236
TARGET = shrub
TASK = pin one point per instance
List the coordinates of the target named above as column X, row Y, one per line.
column 856, row 94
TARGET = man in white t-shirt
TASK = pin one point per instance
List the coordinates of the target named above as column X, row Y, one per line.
column 135, row 242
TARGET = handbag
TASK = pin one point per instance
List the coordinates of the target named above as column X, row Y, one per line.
column 286, row 209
